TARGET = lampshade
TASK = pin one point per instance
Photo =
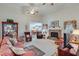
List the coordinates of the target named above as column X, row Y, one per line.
column 76, row 32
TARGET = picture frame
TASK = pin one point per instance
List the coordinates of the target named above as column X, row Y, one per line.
column 55, row 24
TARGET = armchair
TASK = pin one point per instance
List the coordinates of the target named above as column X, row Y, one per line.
column 65, row 52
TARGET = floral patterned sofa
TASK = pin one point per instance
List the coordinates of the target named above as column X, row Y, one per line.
column 6, row 51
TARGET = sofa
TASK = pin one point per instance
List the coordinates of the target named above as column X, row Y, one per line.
column 6, row 51
column 66, row 52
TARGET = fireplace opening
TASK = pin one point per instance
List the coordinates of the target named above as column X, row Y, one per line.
column 54, row 34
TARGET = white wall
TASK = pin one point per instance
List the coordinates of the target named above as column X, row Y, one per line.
column 15, row 13
column 69, row 12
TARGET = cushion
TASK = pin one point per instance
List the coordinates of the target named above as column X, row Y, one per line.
column 75, row 46
column 17, row 51
column 20, row 44
column 22, row 52
column 72, row 51
column 5, row 51
column 13, row 41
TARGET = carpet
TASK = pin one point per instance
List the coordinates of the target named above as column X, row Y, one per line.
column 36, row 50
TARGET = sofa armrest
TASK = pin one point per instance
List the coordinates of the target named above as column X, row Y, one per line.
column 64, row 53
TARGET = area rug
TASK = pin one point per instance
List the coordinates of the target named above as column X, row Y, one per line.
column 36, row 50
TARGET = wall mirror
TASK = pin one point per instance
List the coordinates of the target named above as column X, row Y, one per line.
column 70, row 25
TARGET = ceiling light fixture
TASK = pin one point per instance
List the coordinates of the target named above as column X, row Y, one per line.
column 48, row 3
column 31, row 9
column 34, row 11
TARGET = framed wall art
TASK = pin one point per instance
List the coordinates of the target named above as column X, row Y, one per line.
column 55, row 24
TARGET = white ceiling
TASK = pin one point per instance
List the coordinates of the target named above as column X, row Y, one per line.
column 43, row 9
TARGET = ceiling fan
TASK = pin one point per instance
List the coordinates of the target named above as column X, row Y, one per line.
column 32, row 9
column 48, row 3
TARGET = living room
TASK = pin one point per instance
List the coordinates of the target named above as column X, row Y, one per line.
column 40, row 28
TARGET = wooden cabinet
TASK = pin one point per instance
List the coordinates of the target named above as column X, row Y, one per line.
column 9, row 28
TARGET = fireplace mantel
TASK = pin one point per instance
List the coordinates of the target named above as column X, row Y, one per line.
column 58, row 30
